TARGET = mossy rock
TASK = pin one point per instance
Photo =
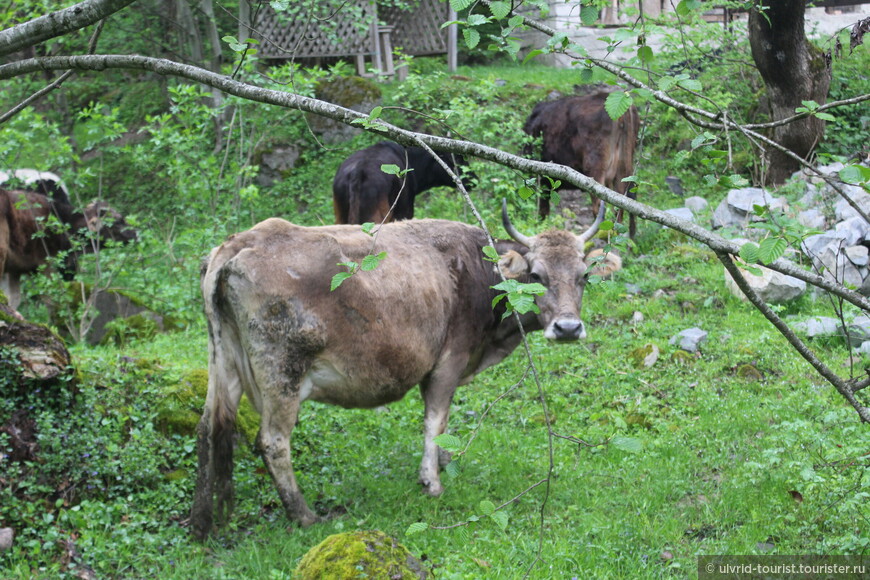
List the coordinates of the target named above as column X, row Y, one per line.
column 644, row 356
column 181, row 408
column 683, row 357
column 355, row 93
column 749, row 372
column 365, row 554
column 120, row 317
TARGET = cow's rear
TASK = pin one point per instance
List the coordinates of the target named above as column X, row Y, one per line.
column 577, row 132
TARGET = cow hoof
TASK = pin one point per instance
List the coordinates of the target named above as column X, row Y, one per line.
column 432, row 488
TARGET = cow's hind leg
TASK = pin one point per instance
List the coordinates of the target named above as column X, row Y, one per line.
column 215, row 434
column 279, row 415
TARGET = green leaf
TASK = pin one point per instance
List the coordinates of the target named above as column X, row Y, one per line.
column 515, row 20
column 617, row 104
column 525, row 192
column 491, row 254
column 586, row 75
column 826, row 117
column 477, row 19
column 500, row 9
column 749, row 252
column 453, row 468
column 855, row 174
column 605, row 226
column 486, row 507
column 666, row 83
column 588, row 15
column 627, row 444
column 390, row 169
column 691, row 84
column 771, row 249
column 501, row 519
column 416, row 528
column 645, row 54
column 448, row 442
column 371, row 262
column 376, row 113
column 532, row 54
column 472, row 37
column 368, row 227
column 460, row 5
column 338, row 279
column 685, row 7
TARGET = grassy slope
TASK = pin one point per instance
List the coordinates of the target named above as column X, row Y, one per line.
column 728, row 464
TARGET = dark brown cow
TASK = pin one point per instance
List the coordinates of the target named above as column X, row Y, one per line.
column 577, row 132
column 27, row 240
column 423, row 316
column 362, row 193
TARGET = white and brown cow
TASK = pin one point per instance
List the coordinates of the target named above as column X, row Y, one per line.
column 423, row 317
column 28, row 238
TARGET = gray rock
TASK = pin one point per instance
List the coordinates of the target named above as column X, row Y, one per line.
column 854, row 230
column 864, row 348
column 697, row 204
column 858, row 255
column 7, row 536
column 818, row 326
column 275, row 164
column 858, row 331
column 836, row 266
column 813, row 246
column 689, row 340
column 683, row 213
column 675, row 185
column 812, row 218
column 737, row 209
column 843, row 210
column 771, row 286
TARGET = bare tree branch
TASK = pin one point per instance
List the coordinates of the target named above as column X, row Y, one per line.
column 406, row 137
column 58, row 24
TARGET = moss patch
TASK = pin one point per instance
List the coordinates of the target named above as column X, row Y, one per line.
column 367, row 554
column 182, row 405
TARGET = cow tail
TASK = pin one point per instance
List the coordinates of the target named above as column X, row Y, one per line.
column 354, row 193
column 216, row 429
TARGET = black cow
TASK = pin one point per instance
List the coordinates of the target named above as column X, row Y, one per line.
column 362, row 193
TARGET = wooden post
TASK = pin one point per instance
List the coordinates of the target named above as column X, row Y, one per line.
column 452, row 33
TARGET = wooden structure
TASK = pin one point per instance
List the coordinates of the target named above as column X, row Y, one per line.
column 416, row 31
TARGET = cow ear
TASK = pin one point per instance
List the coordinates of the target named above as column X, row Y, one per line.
column 513, row 265
column 603, row 264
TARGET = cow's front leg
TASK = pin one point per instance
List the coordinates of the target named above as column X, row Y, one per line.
column 437, row 393
column 276, row 425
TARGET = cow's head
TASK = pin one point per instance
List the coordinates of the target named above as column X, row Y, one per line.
column 108, row 224
column 557, row 260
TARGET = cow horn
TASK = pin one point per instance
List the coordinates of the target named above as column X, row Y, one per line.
column 593, row 229
column 509, row 227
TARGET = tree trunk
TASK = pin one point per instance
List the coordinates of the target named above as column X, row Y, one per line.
column 793, row 71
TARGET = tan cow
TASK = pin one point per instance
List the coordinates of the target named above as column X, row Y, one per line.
column 27, row 238
column 423, row 317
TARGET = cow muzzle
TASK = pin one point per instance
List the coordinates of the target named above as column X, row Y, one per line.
column 566, row 329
